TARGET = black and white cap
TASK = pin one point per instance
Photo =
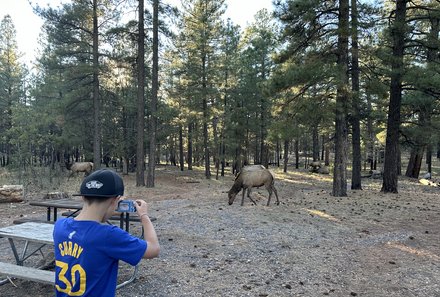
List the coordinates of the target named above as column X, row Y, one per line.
column 102, row 183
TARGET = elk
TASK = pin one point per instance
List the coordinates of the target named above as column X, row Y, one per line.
column 249, row 177
column 76, row 167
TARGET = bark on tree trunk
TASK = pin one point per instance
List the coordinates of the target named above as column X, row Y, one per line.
column 415, row 162
column 205, row 120
column 296, row 145
column 356, row 183
column 278, row 153
column 429, row 157
column 286, row 154
column 315, row 143
column 370, row 133
column 390, row 174
column 327, row 155
column 340, row 166
column 96, row 103
column 190, row 146
column 154, row 90
column 181, row 159
column 140, row 154
column 433, row 59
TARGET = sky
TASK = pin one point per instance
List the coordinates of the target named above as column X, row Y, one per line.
column 28, row 25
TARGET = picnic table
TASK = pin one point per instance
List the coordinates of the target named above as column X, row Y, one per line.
column 69, row 203
column 66, row 203
column 39, row 234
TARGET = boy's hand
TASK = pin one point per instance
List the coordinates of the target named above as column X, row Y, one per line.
column 141, row 207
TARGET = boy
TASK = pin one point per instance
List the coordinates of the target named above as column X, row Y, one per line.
column 87, row 250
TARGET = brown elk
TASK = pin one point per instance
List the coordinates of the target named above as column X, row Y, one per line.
column 76, row 167
column 249, row 177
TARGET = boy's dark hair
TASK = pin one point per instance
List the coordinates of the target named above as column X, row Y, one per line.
column 93, row 199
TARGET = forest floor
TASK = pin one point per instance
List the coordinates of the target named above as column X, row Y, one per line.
column 312, row 244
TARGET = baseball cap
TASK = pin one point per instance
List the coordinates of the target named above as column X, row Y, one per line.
column 102, row 183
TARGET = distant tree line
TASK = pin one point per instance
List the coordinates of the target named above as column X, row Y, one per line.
column 348, row 83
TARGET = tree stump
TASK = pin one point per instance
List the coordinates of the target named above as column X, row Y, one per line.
column 11, row 193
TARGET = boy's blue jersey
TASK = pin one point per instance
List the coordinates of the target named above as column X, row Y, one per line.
column 87, row 255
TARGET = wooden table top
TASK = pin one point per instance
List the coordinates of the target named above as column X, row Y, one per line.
column 35, row 232
column 59, row 203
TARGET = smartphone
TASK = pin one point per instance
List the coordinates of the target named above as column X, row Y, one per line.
column 126, row 206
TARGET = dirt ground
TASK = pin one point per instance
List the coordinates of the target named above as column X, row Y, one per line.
column 312, row 244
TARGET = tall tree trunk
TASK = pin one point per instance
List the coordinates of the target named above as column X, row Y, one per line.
column 390, row 175
column 433, row 59
column 315, row 143
column 190, row 146
column 125, row 137
column 223, row 124
column 370, row 133
column 278, row 153
column 246, row 150
column 262, row 160
column 181, row 159
column 327, row 154
column 205, row 118
column 216, row 145
column 286, row 154
column 154, row 90
column 96, row 103
column 342, row 98
column 429, row 157
column 296, row 147
column 205, row 140
column 356, row 183
column 140, row 154
column 415, row 162
column 306, row 151
column 223, row 148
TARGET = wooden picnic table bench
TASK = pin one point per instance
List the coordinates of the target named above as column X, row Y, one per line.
column 39, row 234
column 27, row 273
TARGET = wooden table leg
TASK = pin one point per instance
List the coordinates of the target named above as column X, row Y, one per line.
column 48, row 214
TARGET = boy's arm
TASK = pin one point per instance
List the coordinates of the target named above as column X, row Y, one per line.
column 153, row 247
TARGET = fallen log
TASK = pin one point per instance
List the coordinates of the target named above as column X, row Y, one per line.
column 11, row 193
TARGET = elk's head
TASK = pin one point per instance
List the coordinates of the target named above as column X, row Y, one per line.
column 231, row 196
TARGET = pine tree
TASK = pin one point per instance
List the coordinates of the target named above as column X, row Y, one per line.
column 140, row 125
column 390, row 175
column 342, row 101
column 201, row 30
column 11, row 86
column 72, row 36
column 154, row 91
column 356, row 183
